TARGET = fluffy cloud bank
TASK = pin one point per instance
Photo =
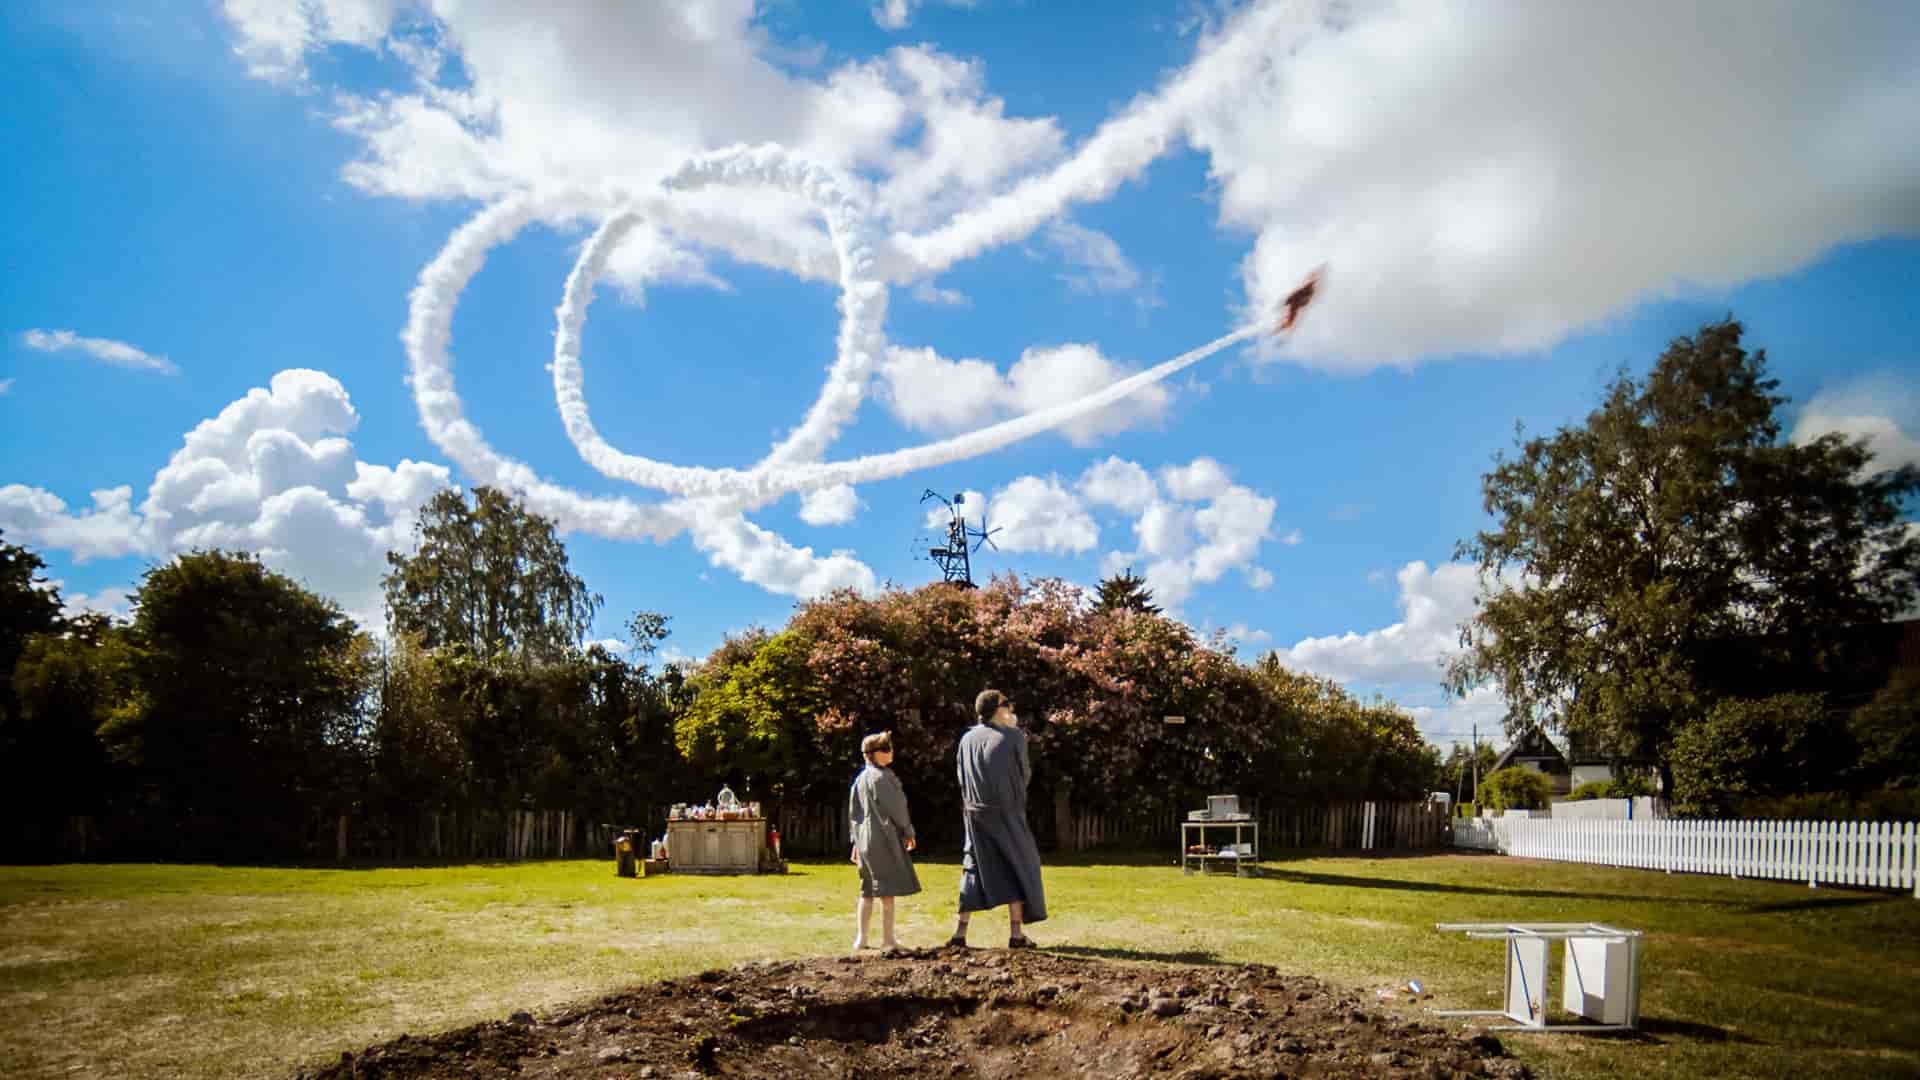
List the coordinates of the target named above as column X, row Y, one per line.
column 1482, row 177
column 272, row 473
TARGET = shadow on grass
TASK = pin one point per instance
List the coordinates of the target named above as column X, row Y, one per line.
column 1184, row 956
column 1822, row 903
column 1652, row 1028
column 1350, row 881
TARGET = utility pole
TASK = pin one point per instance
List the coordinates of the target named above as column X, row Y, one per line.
column 1476, row 766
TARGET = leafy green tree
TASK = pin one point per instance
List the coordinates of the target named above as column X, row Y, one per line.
column 1784, row 744
column 1887, row 732
column 68, row 683
column 1673, row 520
column 420, row 759
column 754, row 716
column 1515, row 788
column 247, row 694
column 492, row 578
column 28, row 606
column 1125, row 592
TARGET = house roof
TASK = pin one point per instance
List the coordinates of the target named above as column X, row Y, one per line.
column 1589, row 751
column 1533, row 745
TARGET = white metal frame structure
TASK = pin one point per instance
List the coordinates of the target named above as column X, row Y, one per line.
column 1601, row 981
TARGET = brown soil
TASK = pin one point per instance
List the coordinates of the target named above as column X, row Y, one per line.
column 953, row 1013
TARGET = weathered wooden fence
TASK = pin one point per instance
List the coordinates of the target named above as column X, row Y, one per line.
column 1882, row 854
column 426, row 836
column 447, row 836
column 1347, row 826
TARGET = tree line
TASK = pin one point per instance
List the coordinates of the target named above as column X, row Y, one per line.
column 236, row 714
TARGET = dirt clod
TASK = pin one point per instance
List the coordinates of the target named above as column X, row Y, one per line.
column 920, row 1015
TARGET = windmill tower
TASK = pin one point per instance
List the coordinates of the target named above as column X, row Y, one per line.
column 955, row 556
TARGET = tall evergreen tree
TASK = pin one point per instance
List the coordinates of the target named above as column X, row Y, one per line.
column 1125, row 592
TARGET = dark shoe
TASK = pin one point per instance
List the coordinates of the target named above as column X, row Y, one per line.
column 956, row 942
column 1021, row 942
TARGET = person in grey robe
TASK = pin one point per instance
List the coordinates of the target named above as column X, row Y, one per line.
column 1000, row 863
column 882, row 835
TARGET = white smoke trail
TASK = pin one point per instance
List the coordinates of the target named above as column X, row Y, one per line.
column 429, row 329
column 1124, row 146
column 988, row 439
column 713, row 501
column 863, row 306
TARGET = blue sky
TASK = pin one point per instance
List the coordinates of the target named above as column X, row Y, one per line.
column 220, row 212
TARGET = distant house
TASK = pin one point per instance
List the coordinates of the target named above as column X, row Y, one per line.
column 1589, row 763
column 1533, row 750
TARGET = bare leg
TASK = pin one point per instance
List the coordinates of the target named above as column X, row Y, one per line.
column 864, row 913
column 1014, row 910
column 960, row 929
column 887, row 940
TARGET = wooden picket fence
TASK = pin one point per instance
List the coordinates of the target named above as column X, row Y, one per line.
column 1877, row 854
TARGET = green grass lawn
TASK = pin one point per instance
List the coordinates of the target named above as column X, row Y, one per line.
column 213, row 971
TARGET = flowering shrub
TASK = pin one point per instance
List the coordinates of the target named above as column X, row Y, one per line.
column 1092, row 687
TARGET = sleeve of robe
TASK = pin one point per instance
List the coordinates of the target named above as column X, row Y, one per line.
column 853, row 812
column 893, row 803
column 1026, row 767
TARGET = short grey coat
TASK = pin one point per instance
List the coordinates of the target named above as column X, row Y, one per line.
column 877, row 811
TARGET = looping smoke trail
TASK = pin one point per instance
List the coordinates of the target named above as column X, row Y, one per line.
column 863, row 304
column 712, row 500
column 430, row 375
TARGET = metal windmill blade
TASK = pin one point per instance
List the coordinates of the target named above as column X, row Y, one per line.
column 984, row 535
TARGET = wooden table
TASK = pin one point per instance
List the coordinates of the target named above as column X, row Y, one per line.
column 715, row 846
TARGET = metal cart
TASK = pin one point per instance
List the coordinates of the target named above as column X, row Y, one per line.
column 1245, row 847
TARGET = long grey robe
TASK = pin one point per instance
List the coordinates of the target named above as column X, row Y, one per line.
column 877, row 809
column 1000, row 863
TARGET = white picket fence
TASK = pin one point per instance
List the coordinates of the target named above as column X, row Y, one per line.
column 1876, row 854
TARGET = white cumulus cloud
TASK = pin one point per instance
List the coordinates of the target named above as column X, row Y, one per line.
column 1433, row 601
column 836, row 505
column 1206, row 527
column 1883, row 409
column 271, row 473
column 1120, row 484
column 929, row 392
column 1037, row 513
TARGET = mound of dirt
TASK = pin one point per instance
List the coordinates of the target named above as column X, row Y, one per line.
column 952, row 1013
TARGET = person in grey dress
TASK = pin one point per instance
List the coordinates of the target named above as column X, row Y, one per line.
column 882, row 836
column 1000, row 863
